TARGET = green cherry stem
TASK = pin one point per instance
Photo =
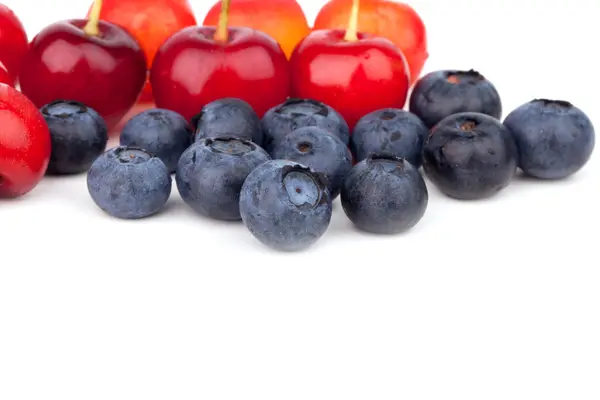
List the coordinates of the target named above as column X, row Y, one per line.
column 91, row 28
column 222, row 34
column 352, row 31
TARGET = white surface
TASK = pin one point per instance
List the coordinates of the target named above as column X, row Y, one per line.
column 497, row 299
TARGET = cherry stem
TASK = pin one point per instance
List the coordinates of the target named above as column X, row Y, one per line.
column 91, row 28
column 222, row 29
column 352, row 31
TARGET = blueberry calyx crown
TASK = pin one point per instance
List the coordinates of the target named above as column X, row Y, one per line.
column 391, row 161
column 470, row 76
column 556, row 103
column 317, row 108
column 64, row 108
column 468, row 125
column 231, row 145
column 304, row 147
column 387, row 115
column 132, row 155
column 316, row 182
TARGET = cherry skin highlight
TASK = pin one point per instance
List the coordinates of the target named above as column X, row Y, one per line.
column 24, row 144
column 151, row 22
column 393, row 20
column 192, row 69
column 353, row 77
column 13, row 42
column 283, row 20
column 105, row 72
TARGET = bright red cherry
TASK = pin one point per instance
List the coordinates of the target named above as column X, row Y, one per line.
column 24, row 144
column 202, row 64
column 94, row 62
column 5, row 76
column 390, row 19
column 355, row 73
column 13, row 41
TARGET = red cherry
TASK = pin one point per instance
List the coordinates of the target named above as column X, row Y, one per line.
column 5, row 76
column 24, row 144
column 391, row 19
column 106, row 70
column 201, row 64
column 13, row 41
column 355, row 73
column 353, row 77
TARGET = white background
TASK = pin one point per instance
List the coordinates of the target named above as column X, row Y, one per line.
column 497, row 299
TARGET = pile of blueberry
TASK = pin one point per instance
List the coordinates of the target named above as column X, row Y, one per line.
column 280, row 174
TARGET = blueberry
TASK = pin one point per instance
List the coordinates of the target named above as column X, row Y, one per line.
column 440, row 94
column 129, row 183
column 211, row 172
column 390, row 131
column 555, row 139
column 281, row 120
column 286, row 205
column 319, row 150
column 470, row 156
column 78, row 134
column 384, row 194
column 163, row 133
column 228, row 117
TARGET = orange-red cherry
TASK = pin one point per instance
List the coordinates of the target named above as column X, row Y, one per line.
column 283, row 20
column 151, row 22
